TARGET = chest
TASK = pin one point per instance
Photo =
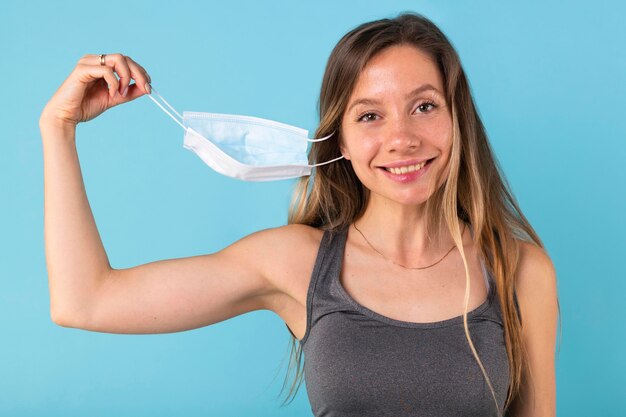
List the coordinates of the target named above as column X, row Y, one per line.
column 418, row 296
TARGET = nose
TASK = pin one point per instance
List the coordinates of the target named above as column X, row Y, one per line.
column 401, row 136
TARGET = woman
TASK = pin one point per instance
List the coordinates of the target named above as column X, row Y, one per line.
column 409, row 275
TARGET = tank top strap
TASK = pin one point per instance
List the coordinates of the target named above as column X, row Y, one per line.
column 323, row 297
column 491, row 282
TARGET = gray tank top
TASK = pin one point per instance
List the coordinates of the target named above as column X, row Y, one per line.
column 360, row 363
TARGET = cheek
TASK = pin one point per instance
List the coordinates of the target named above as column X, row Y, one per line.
column 363, row 155
column 439, row 133
column 360, row 151
column 445, row 147
column 359, row 147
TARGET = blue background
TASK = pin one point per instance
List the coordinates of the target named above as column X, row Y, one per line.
column 550, row 82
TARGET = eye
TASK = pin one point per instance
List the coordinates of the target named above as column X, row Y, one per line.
column 367, row 117
column 426, row 107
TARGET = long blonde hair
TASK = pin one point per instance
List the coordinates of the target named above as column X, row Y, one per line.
column 475, row 190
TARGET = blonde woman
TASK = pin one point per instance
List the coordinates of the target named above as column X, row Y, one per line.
column 410, row 280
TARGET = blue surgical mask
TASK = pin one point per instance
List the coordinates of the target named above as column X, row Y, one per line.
column 245, row 147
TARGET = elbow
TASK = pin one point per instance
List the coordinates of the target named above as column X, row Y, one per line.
column 66, row 317
column 61, row 319
column 72, row 307
column 58, row 320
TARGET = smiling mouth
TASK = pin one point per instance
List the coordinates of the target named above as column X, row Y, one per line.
column 407, row 168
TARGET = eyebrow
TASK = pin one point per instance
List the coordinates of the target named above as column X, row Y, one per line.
column 412, row 94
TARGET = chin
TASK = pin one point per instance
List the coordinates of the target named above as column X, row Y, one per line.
column 405, row 198
column 416, row 201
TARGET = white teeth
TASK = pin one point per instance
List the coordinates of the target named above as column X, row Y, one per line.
column 407, row 168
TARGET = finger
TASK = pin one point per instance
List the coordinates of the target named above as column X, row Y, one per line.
column 134, row 91
column 119, row 64
column 89, row 73
column 126, row 68
column 139, row 74
column 143, row 70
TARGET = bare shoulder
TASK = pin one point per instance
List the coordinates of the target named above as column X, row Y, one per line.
column 536, row 287
column 536, row 274
column 284, row 245
column 288, row 237
column 287, row 255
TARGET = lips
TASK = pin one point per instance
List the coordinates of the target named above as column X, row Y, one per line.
column 406, row 171
column 404, row 167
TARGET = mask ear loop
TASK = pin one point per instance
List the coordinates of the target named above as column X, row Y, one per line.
column 327, row 162
column 168, row 105
column 322, row 139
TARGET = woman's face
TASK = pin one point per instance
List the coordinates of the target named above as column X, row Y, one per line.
column 395, row 121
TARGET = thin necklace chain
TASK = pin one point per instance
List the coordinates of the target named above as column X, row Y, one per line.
column 400, row 265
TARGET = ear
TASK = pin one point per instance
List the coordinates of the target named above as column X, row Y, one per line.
column 344, row 151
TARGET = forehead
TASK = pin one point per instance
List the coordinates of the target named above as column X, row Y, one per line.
column 397, row 69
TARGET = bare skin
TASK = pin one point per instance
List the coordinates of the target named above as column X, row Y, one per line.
column 271, row 269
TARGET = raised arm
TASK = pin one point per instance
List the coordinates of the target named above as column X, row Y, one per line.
column 164, row 296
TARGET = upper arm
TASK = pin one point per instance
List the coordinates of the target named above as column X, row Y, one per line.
column 186, row 293
column 536, row 288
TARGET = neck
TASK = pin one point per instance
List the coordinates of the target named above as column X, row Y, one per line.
column 399, row 232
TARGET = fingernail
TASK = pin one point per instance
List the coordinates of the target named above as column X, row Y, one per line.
column 147, row 88
column 125, row 91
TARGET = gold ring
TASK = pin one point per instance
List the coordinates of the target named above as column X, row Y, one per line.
column 102, row 58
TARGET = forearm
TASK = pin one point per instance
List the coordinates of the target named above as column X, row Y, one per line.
column 75, row 257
